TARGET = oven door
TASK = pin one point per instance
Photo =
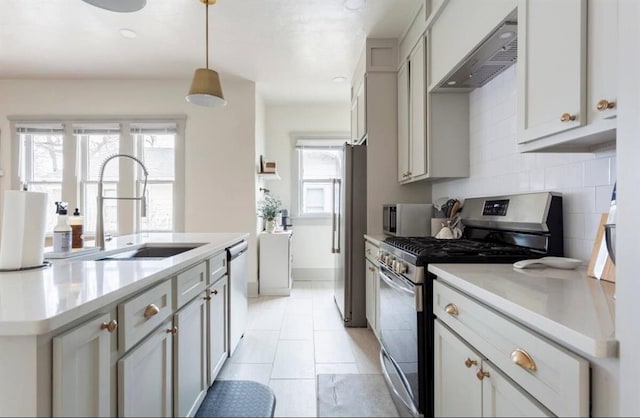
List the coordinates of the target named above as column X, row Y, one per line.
column 400, row 305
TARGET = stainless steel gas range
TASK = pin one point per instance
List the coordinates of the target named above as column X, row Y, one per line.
column 501, row 229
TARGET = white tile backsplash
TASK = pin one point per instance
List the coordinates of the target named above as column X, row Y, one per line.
column 584, row 179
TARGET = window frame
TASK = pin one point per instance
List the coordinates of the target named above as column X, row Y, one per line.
column 72, row 183
column 319, row 140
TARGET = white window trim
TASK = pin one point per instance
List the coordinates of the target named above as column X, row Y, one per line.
column 332, row 138
column 71, row 177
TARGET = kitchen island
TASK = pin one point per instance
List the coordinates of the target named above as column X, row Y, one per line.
column 65, row 329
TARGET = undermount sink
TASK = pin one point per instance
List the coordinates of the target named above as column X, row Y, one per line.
column 151, row 252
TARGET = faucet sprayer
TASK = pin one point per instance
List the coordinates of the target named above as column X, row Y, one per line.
column 101, row 198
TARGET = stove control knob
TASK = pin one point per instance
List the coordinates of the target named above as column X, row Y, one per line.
column 400, row 268
column 390, row 260
column 380, row 255
column 394, row 265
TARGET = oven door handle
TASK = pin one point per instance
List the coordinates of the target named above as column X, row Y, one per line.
column 383, row 354
column 388, row 280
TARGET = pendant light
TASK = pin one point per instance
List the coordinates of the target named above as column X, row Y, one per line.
column 206, row 89
column 120, row 6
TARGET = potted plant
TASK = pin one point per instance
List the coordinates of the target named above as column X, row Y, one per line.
column 268, row 208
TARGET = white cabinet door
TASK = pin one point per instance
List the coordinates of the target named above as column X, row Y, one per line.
column 417, row 112
column 362, row 109
column 551, row 67
column 403, row 123
column 354, row 121
column 217, row 326
column 370, row 293
column 503, row 398
column 602, row 68
column 145, row 377
column 83, row 379
column 190, row 361
column 458, row 393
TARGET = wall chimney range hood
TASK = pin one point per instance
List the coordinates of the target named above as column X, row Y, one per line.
column 495, row 54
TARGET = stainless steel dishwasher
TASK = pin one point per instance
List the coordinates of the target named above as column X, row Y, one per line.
column 238, row 271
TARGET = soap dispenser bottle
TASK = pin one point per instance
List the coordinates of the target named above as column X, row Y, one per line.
column 62, row 230
column 76, row 223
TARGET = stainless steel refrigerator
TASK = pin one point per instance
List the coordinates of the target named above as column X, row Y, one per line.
column 349, row 223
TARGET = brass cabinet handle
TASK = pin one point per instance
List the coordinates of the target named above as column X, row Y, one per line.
column 215, row 292
column 451, row 309
column 605, row 104
column 151, row 310
column 368, row 251
column 523, row 359
column 481, row 375
column 468, row 362
column 109, row 326
column 566, row 117
column 172, row 331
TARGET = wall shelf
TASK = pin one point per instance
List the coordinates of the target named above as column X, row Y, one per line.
column 269, row 176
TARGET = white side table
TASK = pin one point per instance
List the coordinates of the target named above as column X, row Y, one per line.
column 275, row 263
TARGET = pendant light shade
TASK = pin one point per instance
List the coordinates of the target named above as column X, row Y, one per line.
column 206, row 89
column 120, row 6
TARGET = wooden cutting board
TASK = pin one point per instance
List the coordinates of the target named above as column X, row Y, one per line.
column 609, row 272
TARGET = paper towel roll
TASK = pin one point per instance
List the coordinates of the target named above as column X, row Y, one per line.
column 23, row 229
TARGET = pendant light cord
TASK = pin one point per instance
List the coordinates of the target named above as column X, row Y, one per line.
column 207, row 32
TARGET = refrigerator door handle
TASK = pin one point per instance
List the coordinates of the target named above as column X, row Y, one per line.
column 333, row 216
column 339, row 220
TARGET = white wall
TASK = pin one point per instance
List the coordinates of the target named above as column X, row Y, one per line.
column 628, row 285
column 311, row 245
column 585, row 180
column 219, row 142
column 261, row 143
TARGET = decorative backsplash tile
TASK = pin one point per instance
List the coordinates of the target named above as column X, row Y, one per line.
column 585, row 179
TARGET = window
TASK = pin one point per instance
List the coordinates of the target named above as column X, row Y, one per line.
column 319, row 162
column 42, row 166
column 84, row 147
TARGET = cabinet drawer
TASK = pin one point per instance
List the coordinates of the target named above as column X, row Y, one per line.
column 140, row 315
column 189, row 284
column 371, row 251
column 560, row 379
column 217, row 267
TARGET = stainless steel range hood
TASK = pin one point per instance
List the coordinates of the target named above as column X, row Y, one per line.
column 497, row 52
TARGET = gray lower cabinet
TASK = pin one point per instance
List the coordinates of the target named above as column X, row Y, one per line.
column 145, row 376
column 190, row 361
column 83, row 377
column 217, row 346
column 468, row 385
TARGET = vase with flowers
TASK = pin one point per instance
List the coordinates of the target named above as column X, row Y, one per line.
column 268, row 209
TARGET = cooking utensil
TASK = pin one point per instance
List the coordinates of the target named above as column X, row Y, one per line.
column 454, row 209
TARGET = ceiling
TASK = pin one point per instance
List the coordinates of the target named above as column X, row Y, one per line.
column 292, row 49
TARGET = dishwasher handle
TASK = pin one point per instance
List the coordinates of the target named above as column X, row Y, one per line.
column 237, row 250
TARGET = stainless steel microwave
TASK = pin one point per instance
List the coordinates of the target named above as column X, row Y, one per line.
column 407, row 219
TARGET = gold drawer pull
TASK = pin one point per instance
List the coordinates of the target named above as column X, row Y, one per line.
column 451, row 309
column 566, row 117
column 151, row 310
column 368, row 251
column 523, row 359
column 481, row 375
column 468, row 362
column 172, row 331
column 109, row 326
column 605, row 104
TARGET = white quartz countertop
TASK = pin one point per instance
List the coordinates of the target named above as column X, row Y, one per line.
column 34, row 302
column 375, row 238
column 565, row 305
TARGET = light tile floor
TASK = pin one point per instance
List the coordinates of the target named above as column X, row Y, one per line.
column 289, row 340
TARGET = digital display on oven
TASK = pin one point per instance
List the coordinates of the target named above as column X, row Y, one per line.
column 495, row 207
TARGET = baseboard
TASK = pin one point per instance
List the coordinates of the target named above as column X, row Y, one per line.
column 252, row 289
column 311, row 274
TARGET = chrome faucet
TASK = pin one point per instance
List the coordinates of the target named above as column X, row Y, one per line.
column 101, row 198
